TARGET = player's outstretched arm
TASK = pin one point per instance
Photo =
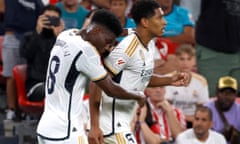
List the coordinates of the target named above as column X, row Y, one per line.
column 176, row 79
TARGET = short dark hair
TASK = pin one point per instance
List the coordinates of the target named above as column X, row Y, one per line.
column 143, row 9
column 108, row 20
column 204, row 109
column 52, row 8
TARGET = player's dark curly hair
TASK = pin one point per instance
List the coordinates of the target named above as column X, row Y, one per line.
column 108, row 20
column 143, row 9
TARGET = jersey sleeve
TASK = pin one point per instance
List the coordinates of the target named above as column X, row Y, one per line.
column 117, row 60
column 91, row 66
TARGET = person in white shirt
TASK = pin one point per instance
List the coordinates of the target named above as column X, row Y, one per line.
column 201, row 132
column 76, row 58
column 196, row 93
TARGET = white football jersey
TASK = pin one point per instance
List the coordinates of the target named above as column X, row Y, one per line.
column 132, row 64
column 186, row 98
column 72, row 62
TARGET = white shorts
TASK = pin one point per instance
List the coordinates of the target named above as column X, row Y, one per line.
column 74, row 139
column 121, row 138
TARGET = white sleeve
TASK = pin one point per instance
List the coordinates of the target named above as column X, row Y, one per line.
column 91, row 66
column 116, row 60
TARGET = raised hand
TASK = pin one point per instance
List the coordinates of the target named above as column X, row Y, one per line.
column 181, row 79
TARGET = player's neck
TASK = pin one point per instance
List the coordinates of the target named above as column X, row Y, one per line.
column 143, row 36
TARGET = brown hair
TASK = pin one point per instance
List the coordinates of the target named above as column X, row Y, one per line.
column 204, row 109
column 185, row 48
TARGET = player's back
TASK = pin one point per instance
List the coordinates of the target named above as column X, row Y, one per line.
column 71, row 63
column 63, row 80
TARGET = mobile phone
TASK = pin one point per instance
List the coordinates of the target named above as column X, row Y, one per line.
column 54, row 21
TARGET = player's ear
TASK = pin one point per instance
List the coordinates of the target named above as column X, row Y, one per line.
column 144, row 22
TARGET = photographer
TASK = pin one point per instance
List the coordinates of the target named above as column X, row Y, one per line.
column 36, row 47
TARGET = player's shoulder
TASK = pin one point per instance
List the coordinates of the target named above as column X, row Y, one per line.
column 199, row 78
column 129, row 44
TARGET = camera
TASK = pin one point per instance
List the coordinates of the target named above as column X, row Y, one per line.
column 54, row 21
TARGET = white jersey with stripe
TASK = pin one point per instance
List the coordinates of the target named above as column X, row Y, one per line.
column 132, row 66
column 72, row 62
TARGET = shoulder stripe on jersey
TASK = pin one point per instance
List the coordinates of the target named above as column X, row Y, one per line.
column 131, row 48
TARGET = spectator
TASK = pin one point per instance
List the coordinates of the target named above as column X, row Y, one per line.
column 180, row 25
column 196, row 93
column 159, row 121
column 217, row 37
column 193, row 6
column 20, row 17
column 226, row 93
column 101, row 3
column 201, row 132
column 119, row 7
column 87, row 4
column 179, row 30
column 73, row 14
column 36, row 47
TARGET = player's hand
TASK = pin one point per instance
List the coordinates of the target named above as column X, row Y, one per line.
column 141, row 99
column 95, row 136
column 181, row 79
